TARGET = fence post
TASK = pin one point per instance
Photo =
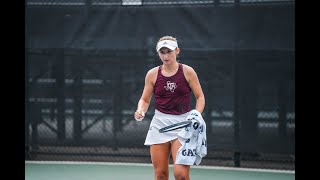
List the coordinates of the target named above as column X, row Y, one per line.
column 77, row 101
column 26, row 107
column 116, row 101
column 236, row 106
column 282, row 101
column 60, row 86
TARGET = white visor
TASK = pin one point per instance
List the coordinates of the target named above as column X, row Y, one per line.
column 168, row 44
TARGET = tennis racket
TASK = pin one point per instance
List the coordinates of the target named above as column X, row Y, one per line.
column 175, row 126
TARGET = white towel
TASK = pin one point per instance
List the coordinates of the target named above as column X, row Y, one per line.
column 193, row 139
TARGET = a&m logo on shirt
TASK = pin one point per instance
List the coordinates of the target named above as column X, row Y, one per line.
column 170, row 86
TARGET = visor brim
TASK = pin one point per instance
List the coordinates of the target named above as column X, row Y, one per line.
column 167, row 46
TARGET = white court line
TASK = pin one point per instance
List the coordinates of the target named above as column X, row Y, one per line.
column 150, row 165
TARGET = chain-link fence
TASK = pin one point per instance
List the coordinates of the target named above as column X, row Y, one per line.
column 85, row 68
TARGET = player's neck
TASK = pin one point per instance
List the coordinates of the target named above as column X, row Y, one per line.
column 170, row 67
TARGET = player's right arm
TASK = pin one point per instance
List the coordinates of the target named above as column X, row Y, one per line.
column 146, row 96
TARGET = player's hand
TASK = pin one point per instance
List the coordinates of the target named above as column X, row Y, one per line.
column 139, row 115
column 193, row 114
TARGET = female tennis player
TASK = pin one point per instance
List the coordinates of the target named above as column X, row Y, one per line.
column 171, row 83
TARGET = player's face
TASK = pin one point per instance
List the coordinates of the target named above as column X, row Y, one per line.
column 167, row 55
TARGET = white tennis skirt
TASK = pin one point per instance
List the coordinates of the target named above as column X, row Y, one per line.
column 159, row 121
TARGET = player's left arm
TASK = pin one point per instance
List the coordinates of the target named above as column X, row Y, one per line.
column 193, row 80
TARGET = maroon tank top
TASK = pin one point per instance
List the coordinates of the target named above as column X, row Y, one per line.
column 172, row 94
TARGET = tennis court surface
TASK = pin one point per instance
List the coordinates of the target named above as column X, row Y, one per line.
column 66, row 170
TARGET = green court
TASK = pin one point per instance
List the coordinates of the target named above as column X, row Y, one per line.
column 54, row 170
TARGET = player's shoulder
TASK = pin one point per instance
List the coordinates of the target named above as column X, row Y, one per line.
column 187, row 68
column 153, row 71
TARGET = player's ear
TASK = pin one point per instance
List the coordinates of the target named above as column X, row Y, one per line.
column 177, row 50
